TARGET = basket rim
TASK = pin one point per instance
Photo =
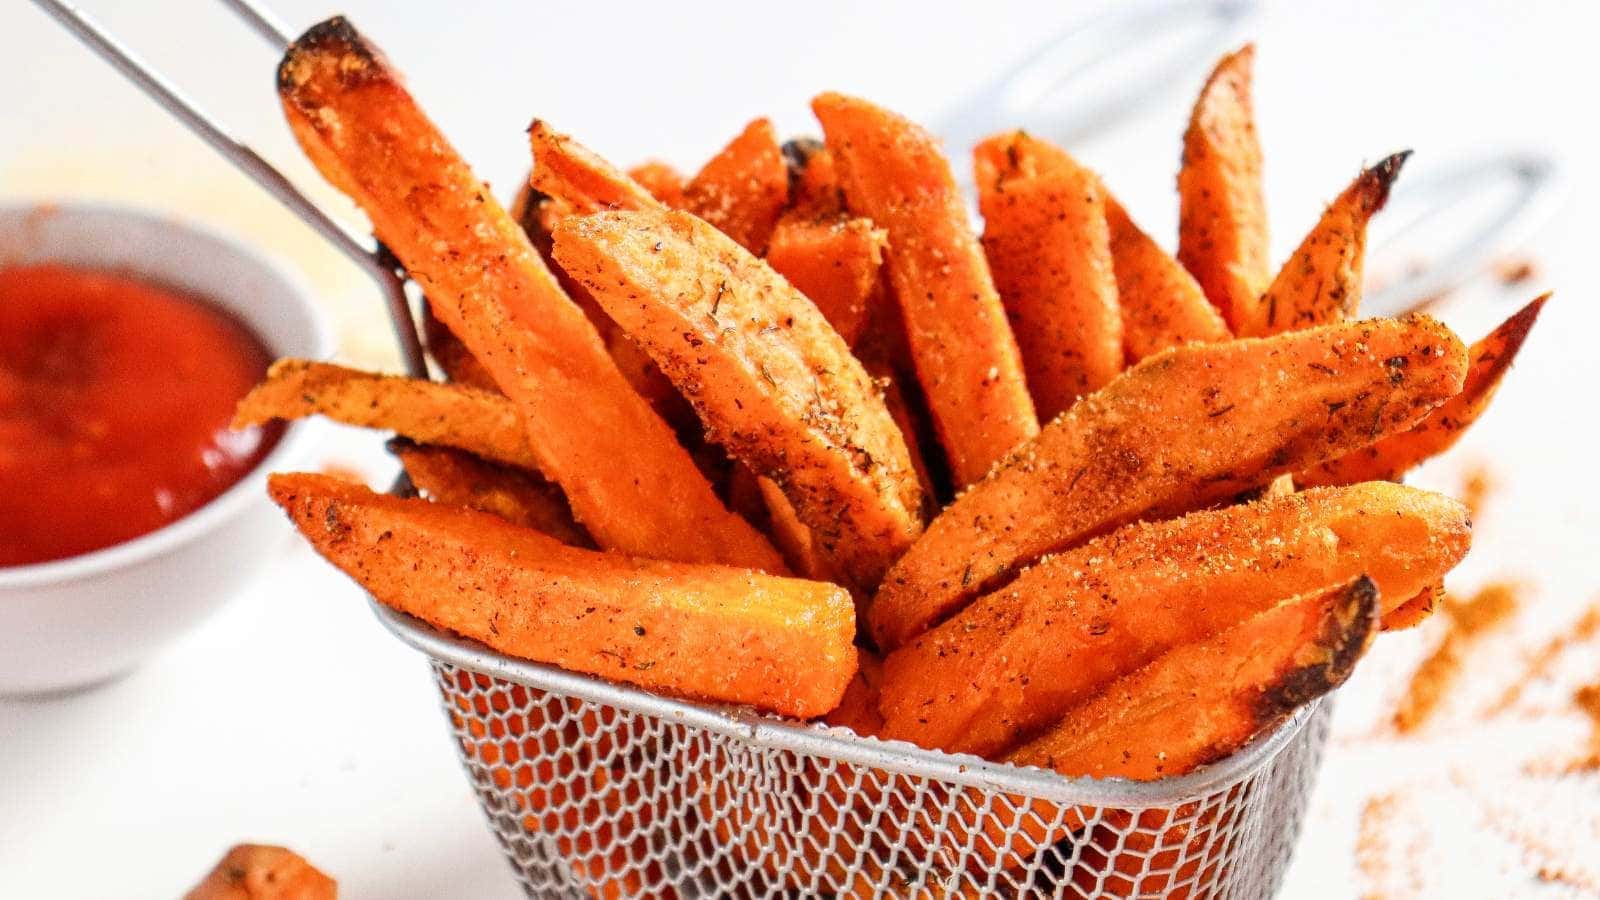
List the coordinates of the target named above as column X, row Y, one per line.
column 818, row 739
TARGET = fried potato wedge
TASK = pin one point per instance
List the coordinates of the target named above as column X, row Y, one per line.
column 452, row 357
column 835, row 261
column 1222, row 216
column 1414, row 611
column 792, row 537
column 1049, row 249
column 1187, row 427
column 772, row 381
column 1201, row 702
column 429, row 412
column 357, row 123
column 664, row 183
column 457, row 478
column 707, row 632
column 1017, row 659
column 1321, row 282
column 1162, row 305
column 566, row 169
column 744, row 188
column 1490, row 358
column 258, row 872
column 967, row 361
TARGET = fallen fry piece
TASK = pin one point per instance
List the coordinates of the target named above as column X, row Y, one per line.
column 1222, row 217
column 966, row 358
column 429, row 412
column 1186, row 427
column 457, row 478
column 257, row 872
column 1015, row 660
column 1162, row 305
column 744, row 188
column 707, row 632
column 1321, row 282
column 487, row 284
column 1490, row 358
column 1203, row 701
column 772, row 381
column 1049, row 248
column 833, row 261
column 663, row 182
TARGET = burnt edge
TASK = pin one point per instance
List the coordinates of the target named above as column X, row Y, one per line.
column 1346, row 641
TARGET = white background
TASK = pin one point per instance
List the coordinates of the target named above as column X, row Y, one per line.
column 293, row 718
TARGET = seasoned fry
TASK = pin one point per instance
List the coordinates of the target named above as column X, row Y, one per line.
column 1388, row 459
column 1321, row 282
column 744, row 188
column 452, row 356
column 966, row 358
column 663, row 182
column 487, row 284
column 1016, row 659
column 1162, row 305
column 708, row 632
column 1184, row 428
column 1414, row 611
column 566, row 169
column 858, row 711
column 771, row 380
column 1047, row 243
column 457, row 478
column 478, row 421
column 257, row 872
column 792, row 537
column 1222, row 217
column 1203, row 701
column 834, row 261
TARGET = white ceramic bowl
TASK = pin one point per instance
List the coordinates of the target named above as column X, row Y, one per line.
column 75, row 622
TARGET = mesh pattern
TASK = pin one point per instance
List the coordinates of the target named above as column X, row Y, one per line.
column 592, row 798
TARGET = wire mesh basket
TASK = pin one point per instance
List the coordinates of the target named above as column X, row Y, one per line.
column 602, row 790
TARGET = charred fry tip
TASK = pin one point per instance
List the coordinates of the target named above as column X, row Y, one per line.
column 358, row 58
column 1347, row 629
column 1376, row 181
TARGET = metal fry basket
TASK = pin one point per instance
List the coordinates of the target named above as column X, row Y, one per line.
column 601, row 790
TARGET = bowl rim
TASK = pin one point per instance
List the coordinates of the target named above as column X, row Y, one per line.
column 296, row 439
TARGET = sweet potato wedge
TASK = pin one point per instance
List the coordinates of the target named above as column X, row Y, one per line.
column 773, row 382
column 257, row 872
column 893, row 172
column 1162, row 305
column 578, row 176
column 1489, row 360
column 486, row 282
column 1321, row 282
column 1182, row 429
column 1222, row 216
column 744, row 188
column 1016, row 659
column 791, row 536
column 834, row 261
column 430, row 412
column 452, row 357
column 457, row 478
column 1049, row 249
column 664, row 183
column 706, row 632
column 1203, row 701
column 1414, row 611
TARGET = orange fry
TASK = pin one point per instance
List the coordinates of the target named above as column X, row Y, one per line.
column 566, row 169
column 893, row 172
column 835, row 262
column 664, row 183
column 457, row 478
column 1162, row 305
column 743, row 188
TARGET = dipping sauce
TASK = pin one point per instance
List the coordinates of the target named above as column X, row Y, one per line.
column 115, row 398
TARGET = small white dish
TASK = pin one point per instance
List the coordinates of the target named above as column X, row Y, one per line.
column 87, row 619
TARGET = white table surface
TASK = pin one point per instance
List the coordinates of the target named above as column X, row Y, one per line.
column 292, row 717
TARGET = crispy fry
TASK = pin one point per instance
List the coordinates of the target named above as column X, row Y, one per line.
column 1222, row 218
column 664, row 183
column 488, row 285
column 772, row 381
column 452, row 356
column 457, row 478
column 566, row 169
column 966, row 358
column 1388, row 459
column 744, row 188
column 1047, row 243
column 708, row 632
column 1203, row 701
column 1321, row 282
column 467, row 418
column 805, row 558
column 1016, row 659
column 834, row 261
column 256, row 872
column 1184, row 428
column 1162, row 305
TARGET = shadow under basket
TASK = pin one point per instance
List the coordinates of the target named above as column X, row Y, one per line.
column 597, row 789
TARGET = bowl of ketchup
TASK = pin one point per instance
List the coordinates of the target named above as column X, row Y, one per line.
column 129, row 510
